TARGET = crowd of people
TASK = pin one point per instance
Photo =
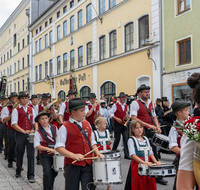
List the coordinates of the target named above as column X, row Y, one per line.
column 77, row 130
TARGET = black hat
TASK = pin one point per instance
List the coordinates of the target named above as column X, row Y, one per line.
column 2, row 97
column 33, row 96
column 70, row 92
column 45, row 96
column 159, row 99
column 23, row 94
column 164, row 99
column 178, row 104
column 121, row 94
column 92, row 95
column 143, row 87
column 41, row 114
column 13, row 94
column 75, row 103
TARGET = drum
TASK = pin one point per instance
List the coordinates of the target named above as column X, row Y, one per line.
column 31, row 137
column 161, row 141
column 58, row 162
column 107, row 171
column 196, row 162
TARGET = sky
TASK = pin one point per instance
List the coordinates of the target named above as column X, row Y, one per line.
column 6, row 9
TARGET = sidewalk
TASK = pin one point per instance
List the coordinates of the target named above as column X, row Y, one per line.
column 8, row 181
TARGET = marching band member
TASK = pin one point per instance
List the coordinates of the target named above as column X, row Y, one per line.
column 33, row 103
column 44, row 138
column 92, row 110
column 54, row 117
column 45, row 102
column 63, row 114
column 75, row 139
column 6, row 117
column 181, row 110
column 118, row 112
column 23, row 118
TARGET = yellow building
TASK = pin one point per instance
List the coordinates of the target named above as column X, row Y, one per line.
column 14, row 49
column 102, row 41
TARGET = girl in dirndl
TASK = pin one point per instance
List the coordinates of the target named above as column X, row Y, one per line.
column 134, row 181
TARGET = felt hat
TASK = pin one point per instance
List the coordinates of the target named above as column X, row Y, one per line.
column 45, row 96
column 13, row 94
column 75, row 103
column 92, row 95
column 23, row 94
column 41, row 114
column 121, row 95
column 164, row 99
column 70, row 92
column 158, row 100
column 143, row 87
column 178, row 104
column 33, row 96
column 2, row 97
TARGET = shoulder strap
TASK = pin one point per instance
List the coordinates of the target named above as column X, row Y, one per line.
column 96, row 135
column 53, row 133
column 44, row 135
column 83, row 132
column 27, row 117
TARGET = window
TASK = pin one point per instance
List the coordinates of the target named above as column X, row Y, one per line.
column 50, row 20
column 65, row 28
column 10, row 53
column 143, row 30
column 28, row 39
column 51, row 68
column 18, row 87
column 102, row 6
column 89, row 13
column 58, row 32
column 28, row 85
column 89, row 53
column 7, row 55
column 45, row 69
column 36, row 73
column 18, row 65
column 62, row 95
column 50, row 37
column 1, row 60
column 72, row 59
column 183, row 5
column 71, row 3
column 40, row 72
column 65, row 62
column 113, row 43
column 10, row 70
column 36, row 31
column 58, row 65
column 112, row 3
column 22, row 85
column 27, row 59
column 4, row 57
column 36, row 46
column 15, row 87
column 22, row 43
column 46, row 24
column 40, row 44
column 46, row 41
column 10, row 88
column 108, row 89
column 80, row 18
column 85, row 92
column 102, row 44
column 58, row 14
column 40, row 28
column 65, row 9
column 72, row 24
column 15, row 39
column 129, row 36
column 184, row 50
column 18, row 47
column 4, row 72
column 80, row 56
column 23, row 63
column 14, row 67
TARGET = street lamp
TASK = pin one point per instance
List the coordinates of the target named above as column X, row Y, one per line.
column 49, row 80
column 148, row 55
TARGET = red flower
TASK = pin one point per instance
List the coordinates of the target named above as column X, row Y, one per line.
column 27, row 94
column 198, row 126
column 49, row 96
column 74, row 92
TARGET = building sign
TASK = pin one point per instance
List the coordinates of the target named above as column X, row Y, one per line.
column 190, row 72
column 79, row 78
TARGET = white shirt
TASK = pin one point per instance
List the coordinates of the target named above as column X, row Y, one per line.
column 14, row 118
column 187, row 151
column 62, row 135
column 38, row 138
column 36, row 109
column 62, row 109
column 131, row 146
column 87, row 109
column 4, row 113
column 134, row 107
column 173, row 136
column 114, row 109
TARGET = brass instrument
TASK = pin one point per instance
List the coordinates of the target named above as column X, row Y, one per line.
column 125, row 124
column 52, row 103
column 16, row 104
column 40, row 100
column 96, row 115
column 57, row 118
column 126, row 119
column 66, row 99
column 6, row 103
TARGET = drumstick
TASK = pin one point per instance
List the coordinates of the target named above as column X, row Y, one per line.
column 89, row 158
column 152, row 164
column 160, row 126
column 32, row 131
column 85, row 154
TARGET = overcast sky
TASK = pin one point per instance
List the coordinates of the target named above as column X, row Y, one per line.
column 6, row 9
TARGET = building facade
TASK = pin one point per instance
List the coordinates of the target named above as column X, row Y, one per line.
column 180, row 46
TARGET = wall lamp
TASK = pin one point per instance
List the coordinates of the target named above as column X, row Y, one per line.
column 148, row 55
column 49, row 81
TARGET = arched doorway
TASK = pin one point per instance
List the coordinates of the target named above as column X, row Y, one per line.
column 85, row 92
column 62, row 95
column 108, row 89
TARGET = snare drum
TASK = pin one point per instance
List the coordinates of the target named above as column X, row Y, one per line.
column 58, row 162
column 107, row 171
column 162, row 171
column 161, row 141
column 31, row 137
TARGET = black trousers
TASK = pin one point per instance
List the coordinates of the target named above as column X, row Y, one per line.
column 75, row 174
column 5, row 135
column 22, row 141
column 118, row 130
column 1, row 135
column 11, row 145
column 49, row 174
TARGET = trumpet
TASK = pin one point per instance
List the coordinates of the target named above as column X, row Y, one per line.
column 126, row 119
column 52, row 103
column 16, row 104
column 6, row 103
column 96, row 115
column 125, row 124
column 40, row 100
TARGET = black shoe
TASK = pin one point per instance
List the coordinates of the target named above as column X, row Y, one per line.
column 0, row 151
column 22, row 169
column 161, row 181
column 38, row 162
column 31, row 180
column 6, row 157
column 127, row 157
column 14, row 159
column 18, row 175
column 10, row 165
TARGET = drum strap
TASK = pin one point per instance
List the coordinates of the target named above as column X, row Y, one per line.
column 83, row 132
column 45, row 135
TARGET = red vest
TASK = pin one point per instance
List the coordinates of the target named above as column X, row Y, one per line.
column 66, row 114
column 22, row 119
column 76, row 142
column 9, row 122
column 180, row 134
column 44, row 142
column 142, row 113
column 90, row 119
column 40, row 108
column 30, row 105
column 120, row 113
column 0, row 111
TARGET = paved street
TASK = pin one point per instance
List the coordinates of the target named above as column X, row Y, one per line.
column 8, row 182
